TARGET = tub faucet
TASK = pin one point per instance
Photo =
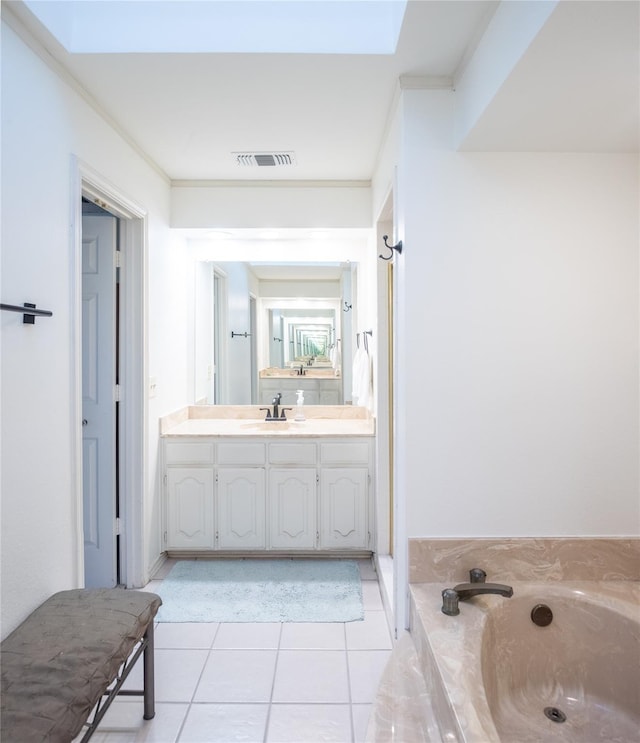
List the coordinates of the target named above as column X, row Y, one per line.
column 464, row 591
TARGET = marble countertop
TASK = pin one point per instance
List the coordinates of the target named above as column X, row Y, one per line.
column 247, row 420
column 310, row 372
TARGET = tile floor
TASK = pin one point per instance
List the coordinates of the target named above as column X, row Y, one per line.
column 259, row 683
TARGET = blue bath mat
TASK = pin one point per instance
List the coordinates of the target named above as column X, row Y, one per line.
column 262, row 590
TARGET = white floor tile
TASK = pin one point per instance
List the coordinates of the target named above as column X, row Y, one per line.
column 313, row 636
column 237, row 676
column 124, row 723
column 365, row 671
column 257, row 636
column 185, row 635
column 101, row 737
column 371, row 596
column 177, row 673
column 361, row 714
column 372, row 634
column 311, row 676
column 309, row 723
column 225, row 723
column 305, row 682
column 367, row 570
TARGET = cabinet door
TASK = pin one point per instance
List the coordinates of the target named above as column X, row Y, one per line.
column 292, row 500
column 241, row 508
column 190, row 508
column 343, row 508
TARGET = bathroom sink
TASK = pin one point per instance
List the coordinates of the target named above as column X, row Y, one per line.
column 259, row 426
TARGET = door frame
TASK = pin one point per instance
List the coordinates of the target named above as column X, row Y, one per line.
column 133, row 427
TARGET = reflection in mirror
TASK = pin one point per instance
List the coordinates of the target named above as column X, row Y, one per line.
column 297, row 322
column 301, row 338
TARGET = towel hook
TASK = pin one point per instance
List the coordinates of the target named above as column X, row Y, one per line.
column 391, row 248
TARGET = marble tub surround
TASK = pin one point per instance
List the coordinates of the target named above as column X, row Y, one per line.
column 248, row 420
column 591, row 586
column 402, row 710
column 490, row 672
column 448, row 560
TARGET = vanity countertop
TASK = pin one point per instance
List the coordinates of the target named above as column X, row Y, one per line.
column 247, row 420
column 309, row 372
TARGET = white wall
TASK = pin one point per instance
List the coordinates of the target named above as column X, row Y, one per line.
column 271, row 204
column 518, row 336
column 45, row 123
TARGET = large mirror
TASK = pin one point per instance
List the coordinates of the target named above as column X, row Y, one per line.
column 262, row 328
column 301, row 335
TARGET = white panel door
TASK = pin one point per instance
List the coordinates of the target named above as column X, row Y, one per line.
column 343, row 508
column 190, row 508
column 241, row 508
column 292, row 507
column 98, row 399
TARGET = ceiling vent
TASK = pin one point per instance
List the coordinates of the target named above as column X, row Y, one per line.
column 265, row 159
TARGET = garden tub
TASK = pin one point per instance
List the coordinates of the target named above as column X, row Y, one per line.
column 556, row 662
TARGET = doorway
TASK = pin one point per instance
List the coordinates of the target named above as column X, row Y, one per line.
column 100, row 396
column 253, row 352
column 391, row 534
column 124, row 417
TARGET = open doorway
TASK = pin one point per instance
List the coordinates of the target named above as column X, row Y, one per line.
column 100, row 396
column 109, row 373
column 390, row 553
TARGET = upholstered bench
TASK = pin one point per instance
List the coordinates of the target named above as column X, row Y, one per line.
column 71, row 656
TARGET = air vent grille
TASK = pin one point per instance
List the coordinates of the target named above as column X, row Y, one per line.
column 264, row 159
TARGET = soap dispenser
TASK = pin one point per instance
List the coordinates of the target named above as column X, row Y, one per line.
column 299, row 403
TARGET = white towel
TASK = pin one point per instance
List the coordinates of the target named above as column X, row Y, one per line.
column 361, row 383
column 336, row 358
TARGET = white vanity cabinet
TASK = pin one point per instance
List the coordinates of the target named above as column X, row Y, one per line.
column 189, row 481
column 240, row 495
column 292, row 508
column 293, row 484
column 241, row 498
column 344, row 495
column 262, row 493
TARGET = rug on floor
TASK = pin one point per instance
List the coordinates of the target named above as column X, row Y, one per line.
column 262, row 590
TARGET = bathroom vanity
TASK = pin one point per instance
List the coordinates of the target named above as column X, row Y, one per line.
column 320, row 386
column 240, row 484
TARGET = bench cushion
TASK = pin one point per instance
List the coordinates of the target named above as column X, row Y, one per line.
column 57, row 664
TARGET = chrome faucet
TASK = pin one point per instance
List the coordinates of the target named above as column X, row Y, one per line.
column 464, row 591
column 276, row 415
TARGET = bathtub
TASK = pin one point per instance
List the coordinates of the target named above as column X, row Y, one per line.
column 494, row 676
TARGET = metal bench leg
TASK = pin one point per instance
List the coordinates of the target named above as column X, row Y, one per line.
column 148, row 676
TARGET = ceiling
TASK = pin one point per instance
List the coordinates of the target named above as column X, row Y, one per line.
column 576, row 88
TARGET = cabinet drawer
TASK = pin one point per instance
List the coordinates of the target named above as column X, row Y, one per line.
column 189, row 452
column 344, row 453
column 292, row 454
column 249, row 453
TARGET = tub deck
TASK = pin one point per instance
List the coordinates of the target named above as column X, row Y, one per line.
column 433, row 688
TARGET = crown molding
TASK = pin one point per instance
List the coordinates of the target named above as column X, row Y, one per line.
column 268, row 184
